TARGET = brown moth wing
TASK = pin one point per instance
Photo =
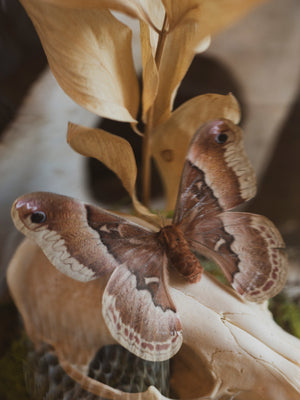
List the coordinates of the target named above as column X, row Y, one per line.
column 66, row 236
column 86, row 242
column 139, row 311
column 248, row 248
column 217, row 174
column 137, row 306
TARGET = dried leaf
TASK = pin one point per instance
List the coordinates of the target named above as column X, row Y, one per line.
column 179, row 50
column 133, row 8
column 150, row 72
column 171, row 139
column 89, row 52
column 149, row 40
column 156, row 47
column 190, row 23
column 213, row 15
column 113, row 151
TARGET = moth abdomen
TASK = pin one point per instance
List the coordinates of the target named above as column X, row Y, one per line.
column 179, row 253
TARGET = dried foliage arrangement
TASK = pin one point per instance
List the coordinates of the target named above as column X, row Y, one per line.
column 231, row 347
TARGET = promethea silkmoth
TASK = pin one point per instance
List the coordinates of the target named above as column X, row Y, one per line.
column 86, row 242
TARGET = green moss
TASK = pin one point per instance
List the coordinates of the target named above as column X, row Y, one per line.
column 12, row 384
column 169, row 214
column 286, row 314
column 213, row 269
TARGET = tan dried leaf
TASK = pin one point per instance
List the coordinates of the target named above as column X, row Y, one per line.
column 89, row 52
column 179, row 50
column 190, row 24
column 213, row 15
column 171, row 139
column 134, row 8
column 150, row 72
column 149, row 41
column 114, row 152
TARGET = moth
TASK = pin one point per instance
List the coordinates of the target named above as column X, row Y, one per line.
column 86, row 242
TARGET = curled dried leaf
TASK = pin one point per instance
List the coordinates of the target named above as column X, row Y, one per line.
column 89, row 52
column 150, row 72
column 171, row 139
column 150, row 46
column 189, row 25
column 114, row 152
column 133, row 8
column 212, row 15
column 180, row 48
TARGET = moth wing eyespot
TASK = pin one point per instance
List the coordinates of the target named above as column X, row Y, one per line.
column 221, row 138
column 38, row 217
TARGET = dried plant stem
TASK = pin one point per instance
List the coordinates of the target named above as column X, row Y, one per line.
column 161, row 41
column 146, row 161
column 146, row 149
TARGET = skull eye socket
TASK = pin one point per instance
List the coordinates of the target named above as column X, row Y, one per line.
column 221, row 138
column 38, row 217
